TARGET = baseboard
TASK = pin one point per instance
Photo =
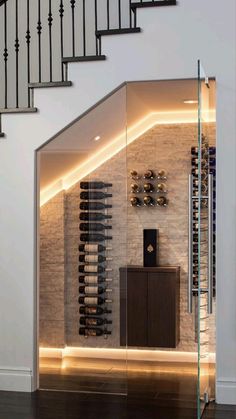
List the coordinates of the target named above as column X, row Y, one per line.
column 122, row 354
column 14, row 379
column 226, row 391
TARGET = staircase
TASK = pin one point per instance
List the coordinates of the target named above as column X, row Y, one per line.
column 40, row 38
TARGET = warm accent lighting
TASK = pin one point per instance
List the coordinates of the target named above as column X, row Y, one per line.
column 123, row 354
column 190, row 102
column 97, row 138
column 120, row 142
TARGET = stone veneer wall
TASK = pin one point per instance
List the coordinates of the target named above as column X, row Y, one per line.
column 52, row 273
column 167, row 147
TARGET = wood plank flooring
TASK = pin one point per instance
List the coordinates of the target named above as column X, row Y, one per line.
column 155, row 390
column 62, row 405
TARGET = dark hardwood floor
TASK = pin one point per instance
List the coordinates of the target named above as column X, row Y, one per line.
column 62, row 405
column 155, row 391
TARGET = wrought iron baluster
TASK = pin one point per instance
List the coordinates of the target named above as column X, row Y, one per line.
column 17, row 47
column 108, row 15
column 73, row 26
column 39, row 30
column 5, row 55
column 50, row 20
column 130, row 14
column 119, row 13
column 84, row 28
column 61, row 13
column 28, row 38
column 96, row 24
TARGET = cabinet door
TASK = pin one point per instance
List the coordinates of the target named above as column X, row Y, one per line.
column 162, row 310
column 137, row 309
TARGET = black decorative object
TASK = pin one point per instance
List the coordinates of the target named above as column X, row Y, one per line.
column 150, row 247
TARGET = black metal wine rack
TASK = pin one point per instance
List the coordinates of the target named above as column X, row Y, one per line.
column 208, row 154
column 148, row 189
column 94, row 257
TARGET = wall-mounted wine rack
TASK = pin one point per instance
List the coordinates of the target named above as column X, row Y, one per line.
column 94, row 259
column 148, row 189
column 206, row 222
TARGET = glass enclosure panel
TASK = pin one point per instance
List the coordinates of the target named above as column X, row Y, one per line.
column 205, row 227
column 162, row 335
column 83, row 224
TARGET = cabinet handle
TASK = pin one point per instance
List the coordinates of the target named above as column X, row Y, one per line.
column 190, row 245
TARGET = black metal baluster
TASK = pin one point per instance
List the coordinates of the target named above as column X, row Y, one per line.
column 50, row 20
column 119, row 13
column 96, row 24
column 39, row 30
column 61, row 12
column 5, row 54
column 84, row 29
column 73, row 26
column 28, row 37
column 130, row 14
column 17, row 47
column 108, row 15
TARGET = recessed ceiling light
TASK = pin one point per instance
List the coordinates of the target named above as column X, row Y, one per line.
column 190, row 102
column 97, row 138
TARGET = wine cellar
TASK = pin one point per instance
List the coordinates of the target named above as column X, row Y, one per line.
column 128, row 241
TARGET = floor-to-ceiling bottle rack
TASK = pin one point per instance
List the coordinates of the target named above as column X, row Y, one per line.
column 95, row 272
column 206, row 222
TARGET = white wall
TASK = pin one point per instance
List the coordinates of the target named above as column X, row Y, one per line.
column 172, row 41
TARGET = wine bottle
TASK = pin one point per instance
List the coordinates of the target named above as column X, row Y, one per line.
column 87, row 331
column 212, row 161
column 88, row 289
column 194, row 152
column 94, row 321
column 148, row 201
column 148, row 187
column 195, row 162
column 94, row 195
column 134, row 175
column 135, row 188
column 204, row 174
column 162, row 201
column 212, row 151
column 135, row 202
column 94, row 206
column 93, row 258
column 94, row 269
column 203, row 203
column 94, row 216
column 95, row 300
column 94, row 237
column 94, row 227
column 94, row 185
column 149, row 174
column 203, row 190
column 162, row 174
column 93, row 248
column 161, row 187
column 94, row 310
column 212, row 171
column 93, row 279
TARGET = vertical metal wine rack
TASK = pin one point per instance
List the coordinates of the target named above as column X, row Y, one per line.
column 98, row 289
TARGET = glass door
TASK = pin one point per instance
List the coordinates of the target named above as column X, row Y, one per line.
column 204, row 230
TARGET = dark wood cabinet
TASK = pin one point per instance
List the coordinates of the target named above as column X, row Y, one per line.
column 149, row 306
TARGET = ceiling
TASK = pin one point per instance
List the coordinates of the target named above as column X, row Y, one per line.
column 109, row 119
